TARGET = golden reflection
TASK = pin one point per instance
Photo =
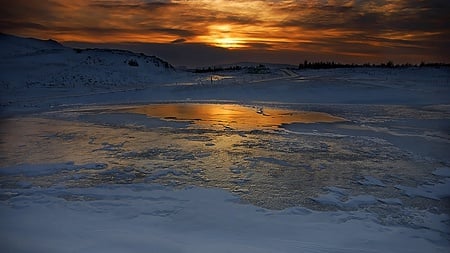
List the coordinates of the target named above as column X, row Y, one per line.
column 232, row 116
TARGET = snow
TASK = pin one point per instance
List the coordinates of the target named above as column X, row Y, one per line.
column 80, row 172
column 130, row 218
column 437, row 191
column 391, row 201
column 162, row 173
column 371, row 181
column 339, row 198
column 49, row 64
column 444, row 172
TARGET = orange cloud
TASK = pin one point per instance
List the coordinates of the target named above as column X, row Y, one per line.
column 322, row 26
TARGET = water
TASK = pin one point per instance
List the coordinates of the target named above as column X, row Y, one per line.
column 232, row 116
column 244, row 149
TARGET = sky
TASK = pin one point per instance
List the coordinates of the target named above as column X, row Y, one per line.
column 209, row 32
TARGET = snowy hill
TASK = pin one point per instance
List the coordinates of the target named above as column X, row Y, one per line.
column 28, row 62
column 13, row 46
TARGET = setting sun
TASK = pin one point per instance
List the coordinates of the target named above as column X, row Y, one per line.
column 349, row 31
column 228, row 43
column 223, row 35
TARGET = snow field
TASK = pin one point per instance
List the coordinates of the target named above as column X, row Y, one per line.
column 80, row 173
column 138, row 218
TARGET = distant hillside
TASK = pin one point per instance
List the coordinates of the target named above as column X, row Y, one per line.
column 28, row 62
column 13, row 46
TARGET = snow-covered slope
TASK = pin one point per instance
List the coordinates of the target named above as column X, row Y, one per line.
column 28, row 62
column 13, row 46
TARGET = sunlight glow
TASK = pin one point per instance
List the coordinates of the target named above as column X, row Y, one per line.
column 228, row 43
column 223, row 35
column 339, row 28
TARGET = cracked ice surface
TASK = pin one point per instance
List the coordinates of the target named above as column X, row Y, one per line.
column 267, row 165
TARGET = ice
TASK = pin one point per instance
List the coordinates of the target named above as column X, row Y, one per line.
column 162, row 173
column 48, row 169
column 371, row 181
column 236, row 170
column 130, row 120
column 444, row 172
column 337, row 190
column 338, row 198
column 271, row 160
column 391, row 201
column 360, row 200
column 330, row 198
column 437, row 191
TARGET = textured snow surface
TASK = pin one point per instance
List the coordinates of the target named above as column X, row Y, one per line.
column 369, row 180
column 440, row 190
column 138, row 218
column 41, row 64
column 444, row 171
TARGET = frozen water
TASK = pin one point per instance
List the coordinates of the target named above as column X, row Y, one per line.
column 371, row 181
column 339, row 198
column 268, row 166
column 437, row 191
column 33, row 170
column 391, row 201
column 444, row 171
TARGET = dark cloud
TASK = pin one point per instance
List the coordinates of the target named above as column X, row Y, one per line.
column 180, row 54
column 374, row 15
column 353, row 30
column 12, row 25
column 178, row 41
column 151, row 5
column 172, row 31
column 114, row 5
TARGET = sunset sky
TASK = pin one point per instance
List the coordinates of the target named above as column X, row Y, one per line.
column 203, row 32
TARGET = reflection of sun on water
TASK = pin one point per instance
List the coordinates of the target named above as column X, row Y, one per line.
column 232, row 116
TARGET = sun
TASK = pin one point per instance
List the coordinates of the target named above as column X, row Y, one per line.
column 229, row 43
column 225, row 36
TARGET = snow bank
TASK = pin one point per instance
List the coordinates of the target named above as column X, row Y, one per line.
column 139, row 218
